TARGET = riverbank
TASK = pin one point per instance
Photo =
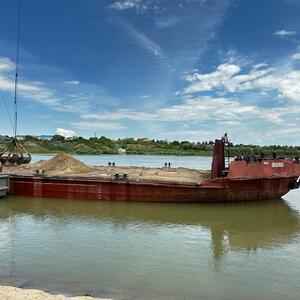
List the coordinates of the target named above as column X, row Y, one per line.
column 202, row 154
column 144, row 146
column 13, row 293
column 97, row 146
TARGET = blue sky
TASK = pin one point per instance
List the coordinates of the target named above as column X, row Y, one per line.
column 180, row 69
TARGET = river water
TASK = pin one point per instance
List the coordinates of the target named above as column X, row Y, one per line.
column 139, row 160
column 152, row 250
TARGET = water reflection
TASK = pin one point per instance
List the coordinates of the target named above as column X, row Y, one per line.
column 239, row 226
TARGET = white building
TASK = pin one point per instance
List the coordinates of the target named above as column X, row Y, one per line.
column 122, row 151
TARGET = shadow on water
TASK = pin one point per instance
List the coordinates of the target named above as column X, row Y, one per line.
column 245, row 225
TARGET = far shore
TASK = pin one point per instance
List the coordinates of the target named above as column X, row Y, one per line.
column 13, row 293
column 116, row 154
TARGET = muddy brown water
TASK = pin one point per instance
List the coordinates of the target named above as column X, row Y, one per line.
column 152, row 250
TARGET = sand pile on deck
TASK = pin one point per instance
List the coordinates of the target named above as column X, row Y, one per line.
column 66, row 165
column 63, row 163
column 160, row 174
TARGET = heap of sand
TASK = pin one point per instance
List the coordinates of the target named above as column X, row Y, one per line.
column 66, row 165
column 62, row 163
column 12, row 293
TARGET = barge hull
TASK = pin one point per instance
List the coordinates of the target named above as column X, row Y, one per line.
column 217, row 190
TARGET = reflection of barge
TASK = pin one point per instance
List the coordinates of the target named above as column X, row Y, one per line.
column 239, row 180
column 231, row 226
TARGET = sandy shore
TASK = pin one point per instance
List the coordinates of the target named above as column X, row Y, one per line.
column 12, row 293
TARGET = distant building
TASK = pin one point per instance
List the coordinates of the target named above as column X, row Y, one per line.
column 20, row 137
column 143, row 139
column 122, row 151
column 45, row 137
column 70, row 138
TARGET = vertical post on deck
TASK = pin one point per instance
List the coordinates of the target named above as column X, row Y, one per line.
column 218, row 163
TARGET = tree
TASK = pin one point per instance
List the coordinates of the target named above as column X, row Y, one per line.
column 58, row 138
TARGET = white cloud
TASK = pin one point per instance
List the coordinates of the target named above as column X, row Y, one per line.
column 180, row 52
column 227, row 79
column 260, row 65
column 72, row 82
column 97, row 125
column 286, row 84
column 284, row 33
column 166, row 21
column 143, row 40
column 156, row 5
column 296, row 56
column 35, row 91
column 139, row 5
column 205, row 108
column 227, row 112
column 122, row 113
column 6, row 64
column 8, row 84
column 207, row 82
column 198, row 109
column 65, row 132
column 58, row 97
column 185, row 134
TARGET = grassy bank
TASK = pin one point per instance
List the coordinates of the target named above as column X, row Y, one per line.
column 96, row 146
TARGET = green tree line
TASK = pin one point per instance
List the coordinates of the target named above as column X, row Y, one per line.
column 105, row 145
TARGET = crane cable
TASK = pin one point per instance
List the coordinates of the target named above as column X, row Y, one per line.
column 6, row 108
column 14, row 124
column 17, row 70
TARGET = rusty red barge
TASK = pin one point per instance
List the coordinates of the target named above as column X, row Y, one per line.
column 242, row 179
